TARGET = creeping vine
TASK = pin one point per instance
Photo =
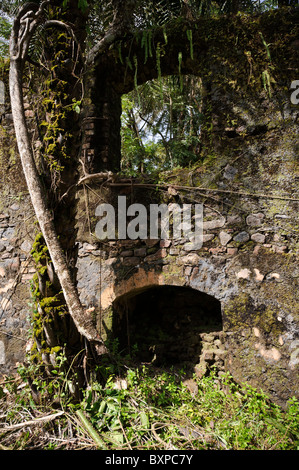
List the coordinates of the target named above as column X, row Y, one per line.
column 189, row 36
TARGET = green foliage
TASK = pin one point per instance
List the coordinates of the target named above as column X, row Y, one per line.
column 189, row 36
column 5, row 29
column 147, row 408
column 221, row 414
column 57, row 386
column 161, row 123
column 82, row 4
column 152, row 13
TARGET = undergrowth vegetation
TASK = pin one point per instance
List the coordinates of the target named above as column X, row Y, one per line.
column 145, row 408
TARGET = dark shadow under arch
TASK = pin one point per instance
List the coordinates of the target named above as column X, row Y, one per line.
column 163, row 324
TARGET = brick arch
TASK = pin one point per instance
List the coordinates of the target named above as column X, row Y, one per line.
column 162, row 319
column 139, row 281
column 111, row 77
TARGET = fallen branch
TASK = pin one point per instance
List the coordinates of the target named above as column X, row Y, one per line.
column 200, row 188
column 31, row 422
column 90, row 429
column 240, row 193
column 2, row 447
column 166, row 445
column 124, row 182
column 95, row 176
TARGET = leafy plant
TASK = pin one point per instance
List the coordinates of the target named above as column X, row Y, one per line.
column 161, row 123
column 147, row 408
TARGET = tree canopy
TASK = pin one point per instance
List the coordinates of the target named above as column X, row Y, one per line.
column 145, row 14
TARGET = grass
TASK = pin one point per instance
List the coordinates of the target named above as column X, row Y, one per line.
column 147, row 409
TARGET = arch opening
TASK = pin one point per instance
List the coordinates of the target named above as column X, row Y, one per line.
column 166, row 325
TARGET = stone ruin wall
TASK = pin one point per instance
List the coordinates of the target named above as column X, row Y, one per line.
column 242, row 265
column 249, row 258
column 248, row 262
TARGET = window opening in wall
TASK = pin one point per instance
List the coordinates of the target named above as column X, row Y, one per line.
column 161, row 122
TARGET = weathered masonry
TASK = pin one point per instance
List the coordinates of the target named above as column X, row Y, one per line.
column 232, row 303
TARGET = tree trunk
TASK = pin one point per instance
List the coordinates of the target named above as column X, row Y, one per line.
column 49, row 222
column 44, row 216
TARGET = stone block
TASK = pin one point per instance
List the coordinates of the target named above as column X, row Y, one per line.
column 230, row 172
column 216, row 250
column 215, row 223
column 200, row 369
column 256, row 249
column 255, row 220
column 29, row 114
column 165, row 243
column 151, row 242
column 258, row 237
column 233, row 220
column 140, row 251
column 156, row 256
column 192, row 260
column 26, row 246
column 27, row 277
column 242, row 237
column 220, row 354
column 243, row 273
column 258, row 275
column 208, row 355
column 232, row 251
column 188, row 271
column 279, row 249
column 14, row 207
column 224, row 237
column 126, row 253
column 207, row 237
column 131, row 261
column 194, row 274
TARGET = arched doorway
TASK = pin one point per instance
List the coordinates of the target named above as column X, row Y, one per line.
column 165, row 325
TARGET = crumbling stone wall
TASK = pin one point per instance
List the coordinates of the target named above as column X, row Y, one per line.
column 248, row 261
column 17, row 228
column 243, row 263
column 249, row 258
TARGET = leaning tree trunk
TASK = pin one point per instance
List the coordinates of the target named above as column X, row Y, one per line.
column 52, row 210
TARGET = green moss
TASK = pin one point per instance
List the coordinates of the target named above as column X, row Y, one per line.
column 49, row 306
column 106, row 323
column 243, row 311
column 235, row 312
column 40, row 254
